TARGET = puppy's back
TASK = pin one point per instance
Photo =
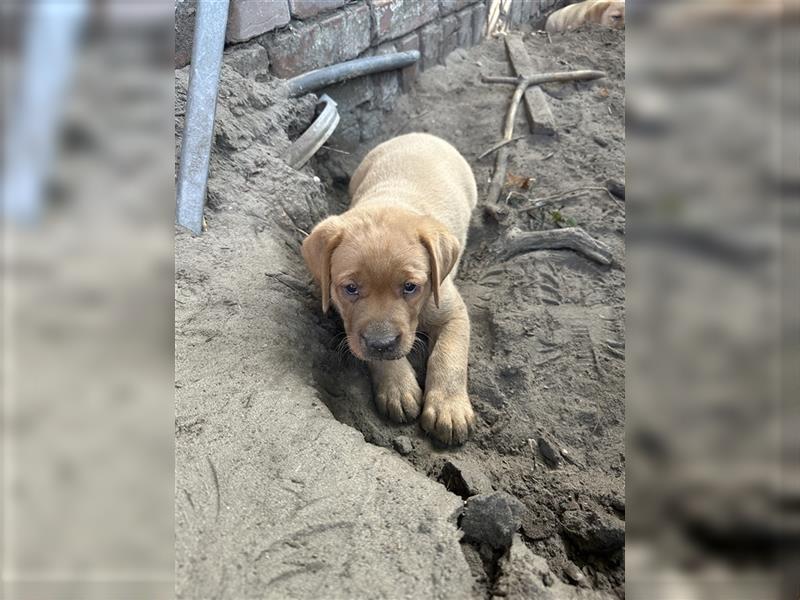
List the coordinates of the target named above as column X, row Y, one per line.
column 422, row 172
column 575, row 15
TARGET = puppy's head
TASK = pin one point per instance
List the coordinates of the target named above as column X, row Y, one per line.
column 379, row 268
column 610, row 13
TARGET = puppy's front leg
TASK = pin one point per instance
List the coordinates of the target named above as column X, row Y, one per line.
column 397, row 392
column 447, row 413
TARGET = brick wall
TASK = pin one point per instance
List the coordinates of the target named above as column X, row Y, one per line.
column 290, row 37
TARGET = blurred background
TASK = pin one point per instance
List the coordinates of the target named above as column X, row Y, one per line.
column 713, row 181
column 87, row 179
column 88, row 204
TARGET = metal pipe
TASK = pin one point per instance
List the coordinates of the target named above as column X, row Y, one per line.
column 201, row 104
column 312, row 139
column 50, row 48
column 320, row 78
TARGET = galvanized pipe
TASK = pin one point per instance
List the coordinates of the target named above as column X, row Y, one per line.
column 201, row 104
column 50, row 48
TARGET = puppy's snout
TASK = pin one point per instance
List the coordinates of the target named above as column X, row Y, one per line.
column 381, row 343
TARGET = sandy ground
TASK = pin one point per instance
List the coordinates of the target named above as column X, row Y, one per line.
column 548, row 340
column 254, row 355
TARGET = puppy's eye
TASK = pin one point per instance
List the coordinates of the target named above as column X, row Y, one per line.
column 616, row 17
column 351, row 289
column 409, row 288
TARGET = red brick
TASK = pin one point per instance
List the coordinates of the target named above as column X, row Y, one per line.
column 520, row 11
column 309, row 45
column 430, row 44
column 449, row 36
column 249, row 60
column 409, row 75
column 250, row 18
column 387, row 84
column 450, row 6
column 478, row 23
column 303, row 9
column 528, row 8
column 464, row 28
column 184, row 31
column 395, row 18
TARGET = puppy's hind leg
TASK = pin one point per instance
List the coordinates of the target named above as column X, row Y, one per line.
column 397, row 393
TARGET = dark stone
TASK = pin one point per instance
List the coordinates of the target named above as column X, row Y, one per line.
column 492, row 519
column 403, row 445
column 464, row 479
column 616, row 187
column 549, row 451
column 593, row 531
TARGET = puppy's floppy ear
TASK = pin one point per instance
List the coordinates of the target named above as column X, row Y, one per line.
column 317, row 250
column 443, row 250
column 596, row 10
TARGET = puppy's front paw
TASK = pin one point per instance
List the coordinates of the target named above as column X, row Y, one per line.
column 398, row 396
column 448, row 417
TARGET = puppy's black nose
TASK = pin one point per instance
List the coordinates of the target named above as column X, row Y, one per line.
column 383, row 343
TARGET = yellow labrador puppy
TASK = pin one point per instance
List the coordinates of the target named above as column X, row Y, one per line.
column 387, row 266
column 610, row 13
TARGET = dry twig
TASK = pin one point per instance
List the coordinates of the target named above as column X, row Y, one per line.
column 573, row 238
column 539, row 202
column 523, row 83
column 539, row 79
column 499, row 145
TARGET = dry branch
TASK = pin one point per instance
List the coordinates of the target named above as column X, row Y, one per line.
column 540, row 78
column 572, row 238
column 501, row 159
column 499, row 145
column 539, row 202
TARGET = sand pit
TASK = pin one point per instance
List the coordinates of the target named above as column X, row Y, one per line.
column 259, row 376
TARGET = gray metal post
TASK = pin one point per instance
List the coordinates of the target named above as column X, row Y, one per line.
column 51, row 44
column 201, row 104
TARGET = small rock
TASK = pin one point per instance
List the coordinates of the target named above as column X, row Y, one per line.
column 492, row 519
column 618, row 504
column 616, row 187
column 403, row 445
column 568, row 457
column 523, row 574
column 464, row 479
column 593, row 531
column 600, row 141
column 575, row 575
column 548, row 451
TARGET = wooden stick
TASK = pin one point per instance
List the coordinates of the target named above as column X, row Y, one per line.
column 501, row 159
column 572, row 238
column 539, row 202
column 540, row 115
column 540, row 78
column 499, row 145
